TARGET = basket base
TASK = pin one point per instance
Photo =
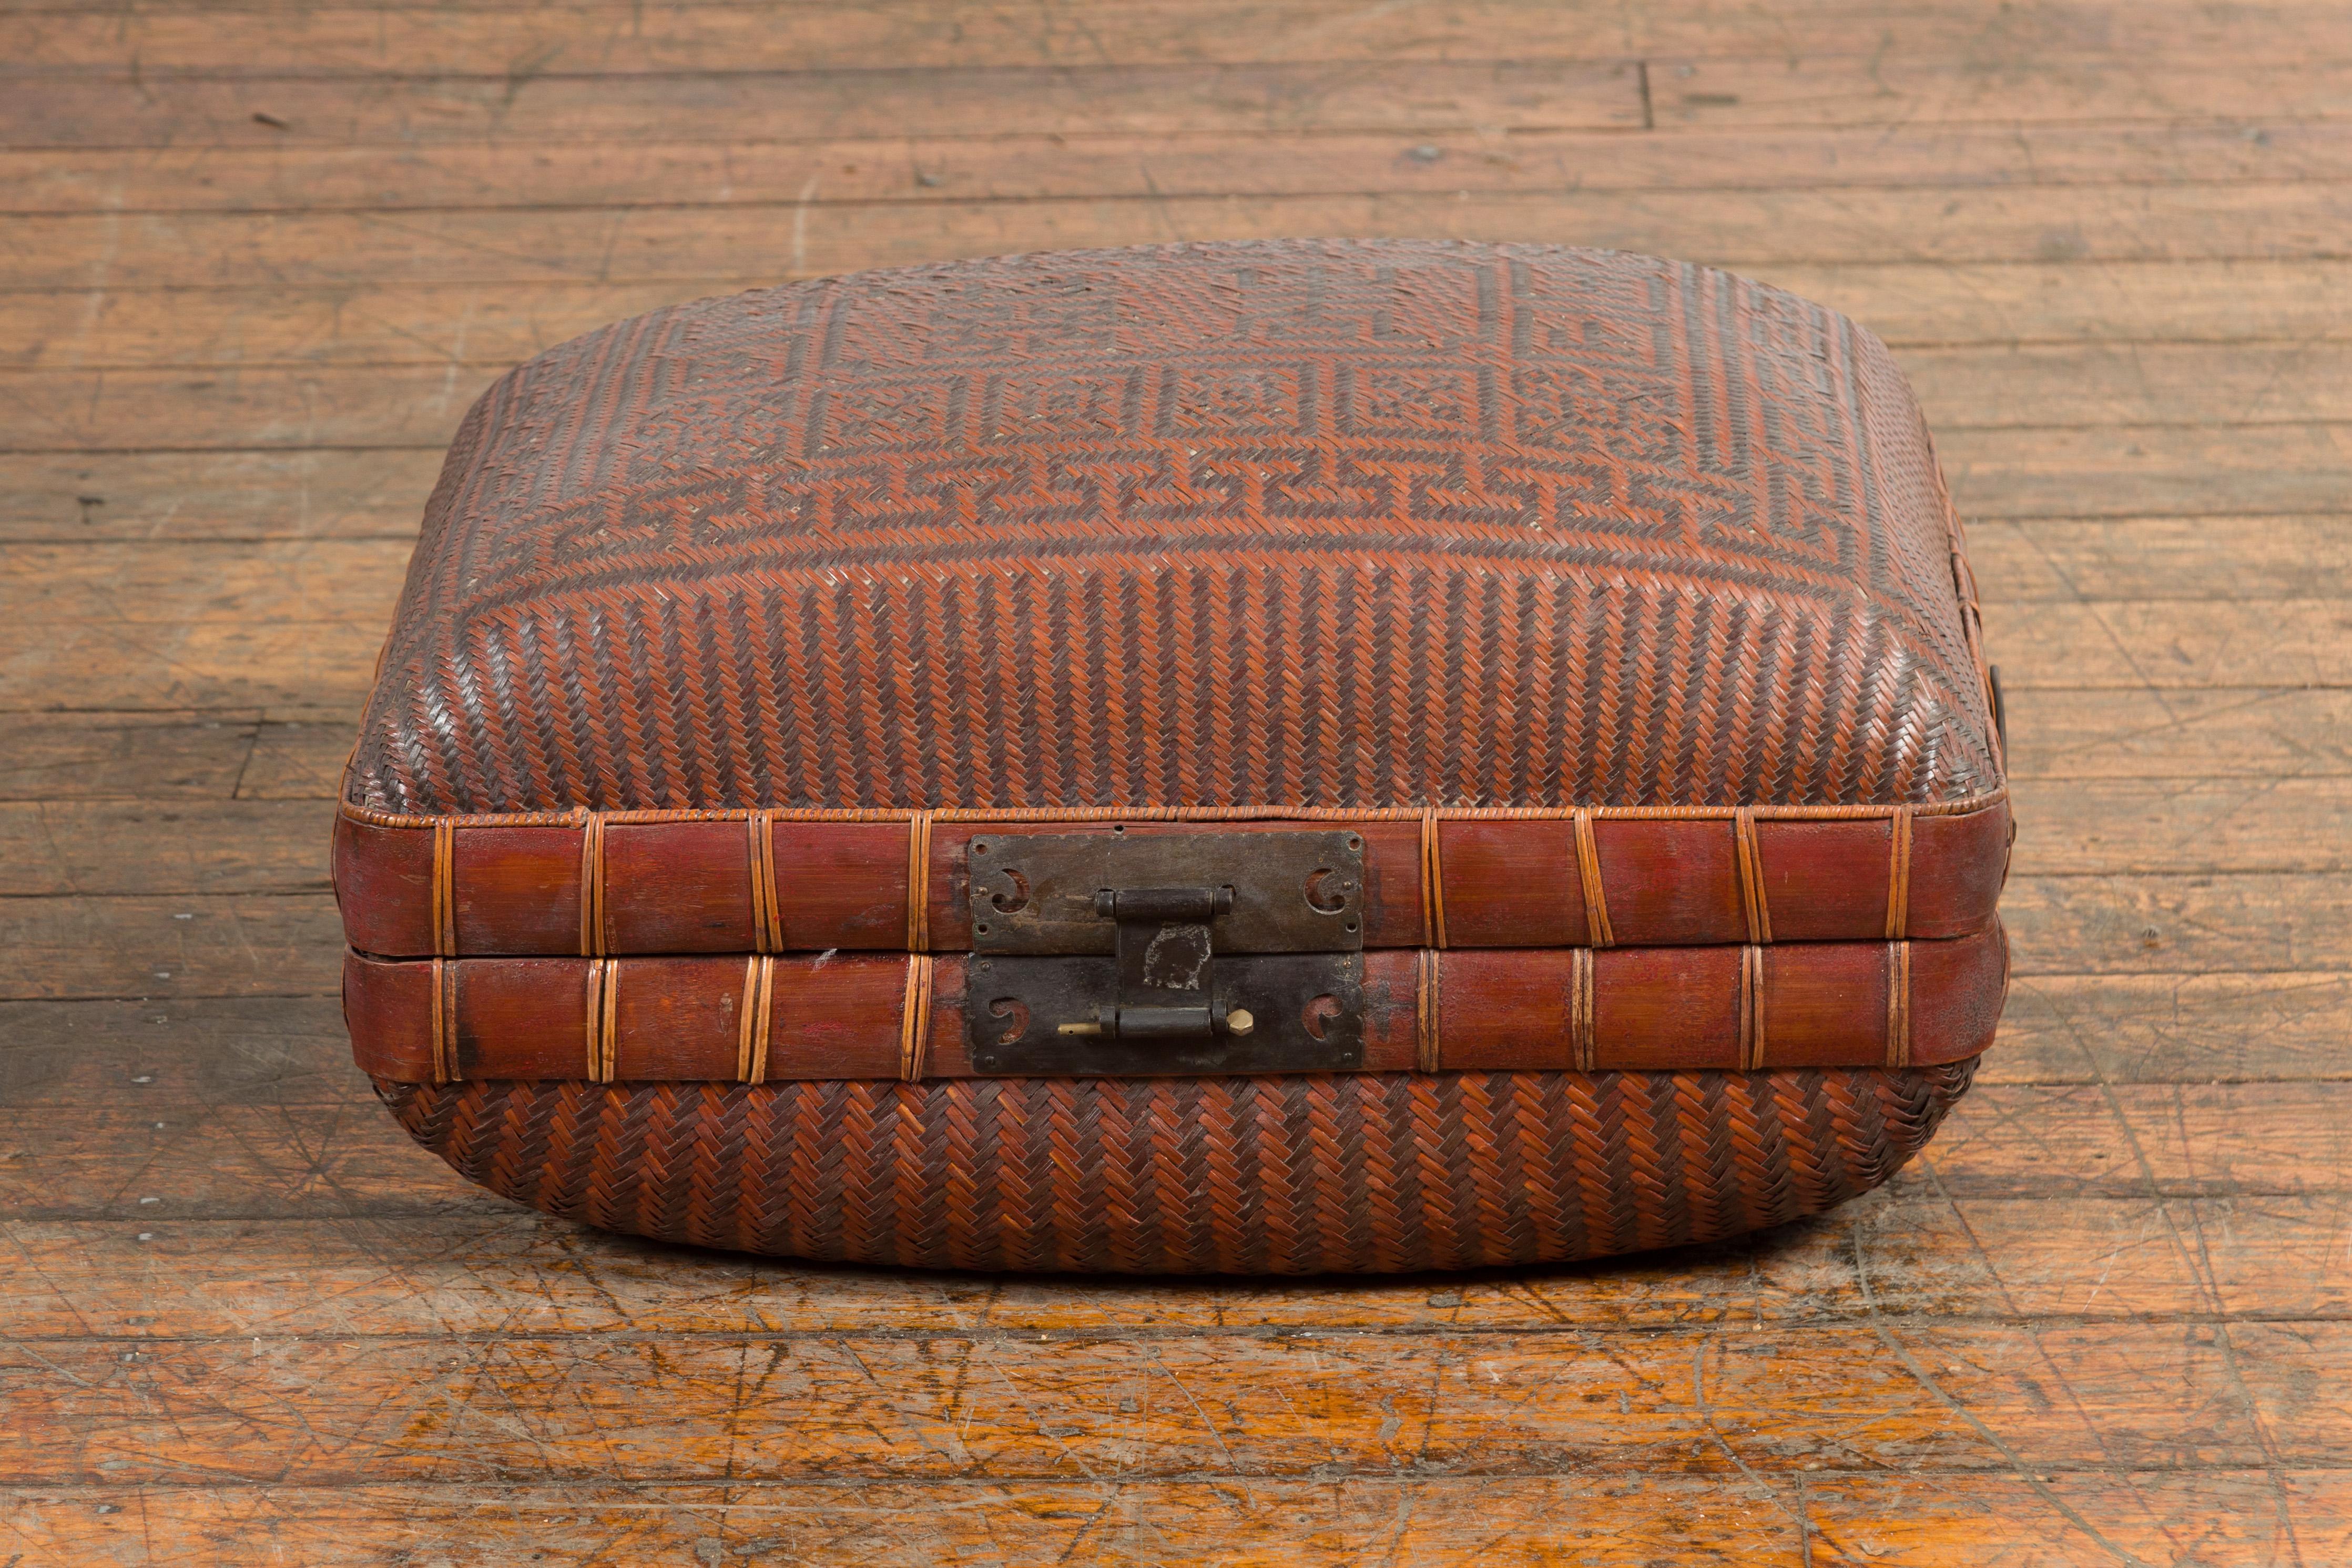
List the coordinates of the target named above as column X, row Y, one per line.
column 1359, row 1174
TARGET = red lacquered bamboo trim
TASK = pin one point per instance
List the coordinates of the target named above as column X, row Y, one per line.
column 707, row 1019
column 592, row 886
column 1588, row 875
column 1898, row 878
column 1898, row 1003
column 1433, row 883
column 452, row 888
column 915, row 1023
column 1425, row 1050
column 1752, row 898
column 918, row 882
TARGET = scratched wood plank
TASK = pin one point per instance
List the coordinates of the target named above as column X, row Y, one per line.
column 2035, row 561
column 2186, row 1028
column 493, row 324
column 1908, row 1250
column 174, row 756
column 606, row 39
column 2020, row 1519
column 781, row 239
column 50, row 849
column 162, row 584
column 233, row 494
column 172, row 945
column 2016, row 1521
column 1513, row 93
column 226, row 662
column 165, row 1052
column 308, row 176
column 2184, row 825
column 1838, row 1397
column 1897, row 89
column 153, row 755
column 2206, row 469
column 1151, row 100
column 304, row 174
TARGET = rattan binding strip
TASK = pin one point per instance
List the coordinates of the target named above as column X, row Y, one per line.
column 1587, row 876
column 1426, row 1048
column 445, row 890
column 918, row 882
column 767, row 915
column 1898, row 1004
column 592, row 886
column 1752, row 900
column 915, row 1020
column 1752, row 1007
column 1433, row 883
column 1584, row 1040
column 1013, row 816
column 1899, row 876
column 752, row 1023
column 604, row 1005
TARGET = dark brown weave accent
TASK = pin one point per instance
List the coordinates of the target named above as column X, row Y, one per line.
column 1285, row 1175
column 1313, row 524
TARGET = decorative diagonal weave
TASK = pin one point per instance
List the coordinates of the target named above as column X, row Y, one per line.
column 1299, row 523
column 1282, row 1175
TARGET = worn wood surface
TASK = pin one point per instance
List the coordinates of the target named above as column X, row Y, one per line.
column 257, row 257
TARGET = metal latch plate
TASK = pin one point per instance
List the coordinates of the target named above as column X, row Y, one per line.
column 1293, row 891
column 1233, row 953
column 1307, row 1007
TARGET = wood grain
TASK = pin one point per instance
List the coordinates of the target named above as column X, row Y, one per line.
column 1908, row 1521
column 493, row 323
column 2102, row 1319
column 652, row 172
column 791, row 236
column 609, row 39
column 1500, row 89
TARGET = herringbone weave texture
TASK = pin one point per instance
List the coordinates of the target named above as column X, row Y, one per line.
column 1297, row 523
column 1250, row 1175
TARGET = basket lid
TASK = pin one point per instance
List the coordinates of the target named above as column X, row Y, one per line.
column 1305, row 524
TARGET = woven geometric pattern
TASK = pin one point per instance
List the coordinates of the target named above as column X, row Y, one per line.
column 1300, row 524
column 1282, row 1175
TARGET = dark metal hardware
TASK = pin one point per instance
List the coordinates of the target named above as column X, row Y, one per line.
column 1110, row 964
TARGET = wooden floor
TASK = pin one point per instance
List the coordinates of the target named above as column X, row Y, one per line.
column 256, row 258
